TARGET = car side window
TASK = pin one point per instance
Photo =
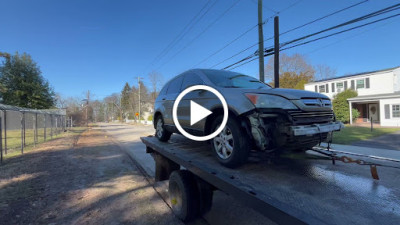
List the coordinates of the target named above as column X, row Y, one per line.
column 164, row 90
column 175, row 85
column 191, row 80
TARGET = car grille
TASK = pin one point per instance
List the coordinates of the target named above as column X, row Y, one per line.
column 306, row 118
column 316, row 102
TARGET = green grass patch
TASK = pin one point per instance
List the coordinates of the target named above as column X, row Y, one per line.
column 14, row 139
column 352, row 134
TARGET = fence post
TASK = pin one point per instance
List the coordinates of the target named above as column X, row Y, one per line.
column 51, row 126
column 372, row 126
column 1, row 142
column 24, row 128
column 44, row 127
column 22, row 133
column 5, row 131
column 36, row 130
column 56, row 125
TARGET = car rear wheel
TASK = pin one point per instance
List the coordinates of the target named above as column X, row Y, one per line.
column 230, row 146
column 161, row 133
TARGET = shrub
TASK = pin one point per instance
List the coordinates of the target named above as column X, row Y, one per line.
column 150, row 118
column 355, row 113
column 341, row 106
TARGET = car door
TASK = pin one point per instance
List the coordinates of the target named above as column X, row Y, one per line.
column 189, row 79
column 174, row 89
column 159, row 105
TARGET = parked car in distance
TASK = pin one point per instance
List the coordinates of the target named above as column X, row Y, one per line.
column 260, row 117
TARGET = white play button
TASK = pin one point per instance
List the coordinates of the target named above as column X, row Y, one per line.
column 197, row 112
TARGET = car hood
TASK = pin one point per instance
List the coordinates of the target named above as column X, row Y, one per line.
column 291, row 94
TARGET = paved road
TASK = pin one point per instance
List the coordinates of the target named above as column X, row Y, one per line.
column 225, row 209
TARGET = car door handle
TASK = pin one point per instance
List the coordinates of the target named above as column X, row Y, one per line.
column 163, row 99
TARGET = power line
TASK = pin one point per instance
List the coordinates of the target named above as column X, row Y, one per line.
column 201, row 33
column 339, row 32
column 185, row 30
column 368, row 16
column 268, row 51
column 225, row 46
column 290, row 6
column 323, row 17
column 243, row 50
column 265, row 7
column 343, row 39
column 244, row 63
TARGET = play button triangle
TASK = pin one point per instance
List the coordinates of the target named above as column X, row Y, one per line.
column 197, row 112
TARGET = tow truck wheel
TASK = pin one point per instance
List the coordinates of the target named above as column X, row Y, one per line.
column 161, row 133
column 231, row 145
column 184, row 195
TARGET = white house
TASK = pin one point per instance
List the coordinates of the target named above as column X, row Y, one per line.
column 378, row 94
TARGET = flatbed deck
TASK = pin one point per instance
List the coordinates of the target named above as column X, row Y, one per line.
column 296, row 188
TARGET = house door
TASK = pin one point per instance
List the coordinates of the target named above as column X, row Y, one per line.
column 373, row 112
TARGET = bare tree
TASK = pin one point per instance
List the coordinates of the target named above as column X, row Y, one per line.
column 60, row 101
column 294, row 64
column 156, row 80
column 323, row 71
column 114, row 105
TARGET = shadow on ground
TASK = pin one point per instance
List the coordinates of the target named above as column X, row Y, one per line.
column 93, row 182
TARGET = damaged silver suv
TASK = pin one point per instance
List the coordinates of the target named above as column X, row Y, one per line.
column 260, row 117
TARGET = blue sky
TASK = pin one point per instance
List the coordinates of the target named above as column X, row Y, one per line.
column 99, row 45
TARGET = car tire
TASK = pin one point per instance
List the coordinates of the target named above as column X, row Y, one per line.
column 184, row 195
column 231, row 146
column 161, row 133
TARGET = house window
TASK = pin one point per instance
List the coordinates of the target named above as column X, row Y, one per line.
column 396, row 111
column 361, row 83
column 339, row 87
column 321, row 88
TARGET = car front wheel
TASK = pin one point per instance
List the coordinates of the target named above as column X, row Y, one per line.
column 161, row 133
column 230, row 146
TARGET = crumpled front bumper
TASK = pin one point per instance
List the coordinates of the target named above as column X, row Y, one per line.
column 316, row 128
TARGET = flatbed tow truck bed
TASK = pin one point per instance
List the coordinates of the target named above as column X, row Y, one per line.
column 299, row 188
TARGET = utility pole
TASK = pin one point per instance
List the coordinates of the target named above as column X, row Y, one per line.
column 139, row 96
column 260, row 42
column 276, row 51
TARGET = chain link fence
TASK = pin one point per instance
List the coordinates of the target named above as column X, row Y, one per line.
column 22, row 127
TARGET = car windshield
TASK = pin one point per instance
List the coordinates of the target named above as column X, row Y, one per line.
column 228, row 79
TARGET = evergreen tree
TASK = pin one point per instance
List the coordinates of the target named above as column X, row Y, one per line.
column 125, row 98
column 23, row 85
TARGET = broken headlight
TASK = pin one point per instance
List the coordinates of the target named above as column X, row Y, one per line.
column 270, row 101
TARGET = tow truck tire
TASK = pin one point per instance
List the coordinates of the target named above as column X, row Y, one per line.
column 240, row 143
column 161, row 133
column 184, row 195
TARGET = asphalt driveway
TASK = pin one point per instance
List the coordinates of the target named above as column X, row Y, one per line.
column 387, row 141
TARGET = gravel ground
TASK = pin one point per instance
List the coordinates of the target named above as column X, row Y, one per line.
column 84, row 179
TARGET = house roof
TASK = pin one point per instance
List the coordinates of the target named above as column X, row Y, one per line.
column 375, row 97
column 357, row 74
